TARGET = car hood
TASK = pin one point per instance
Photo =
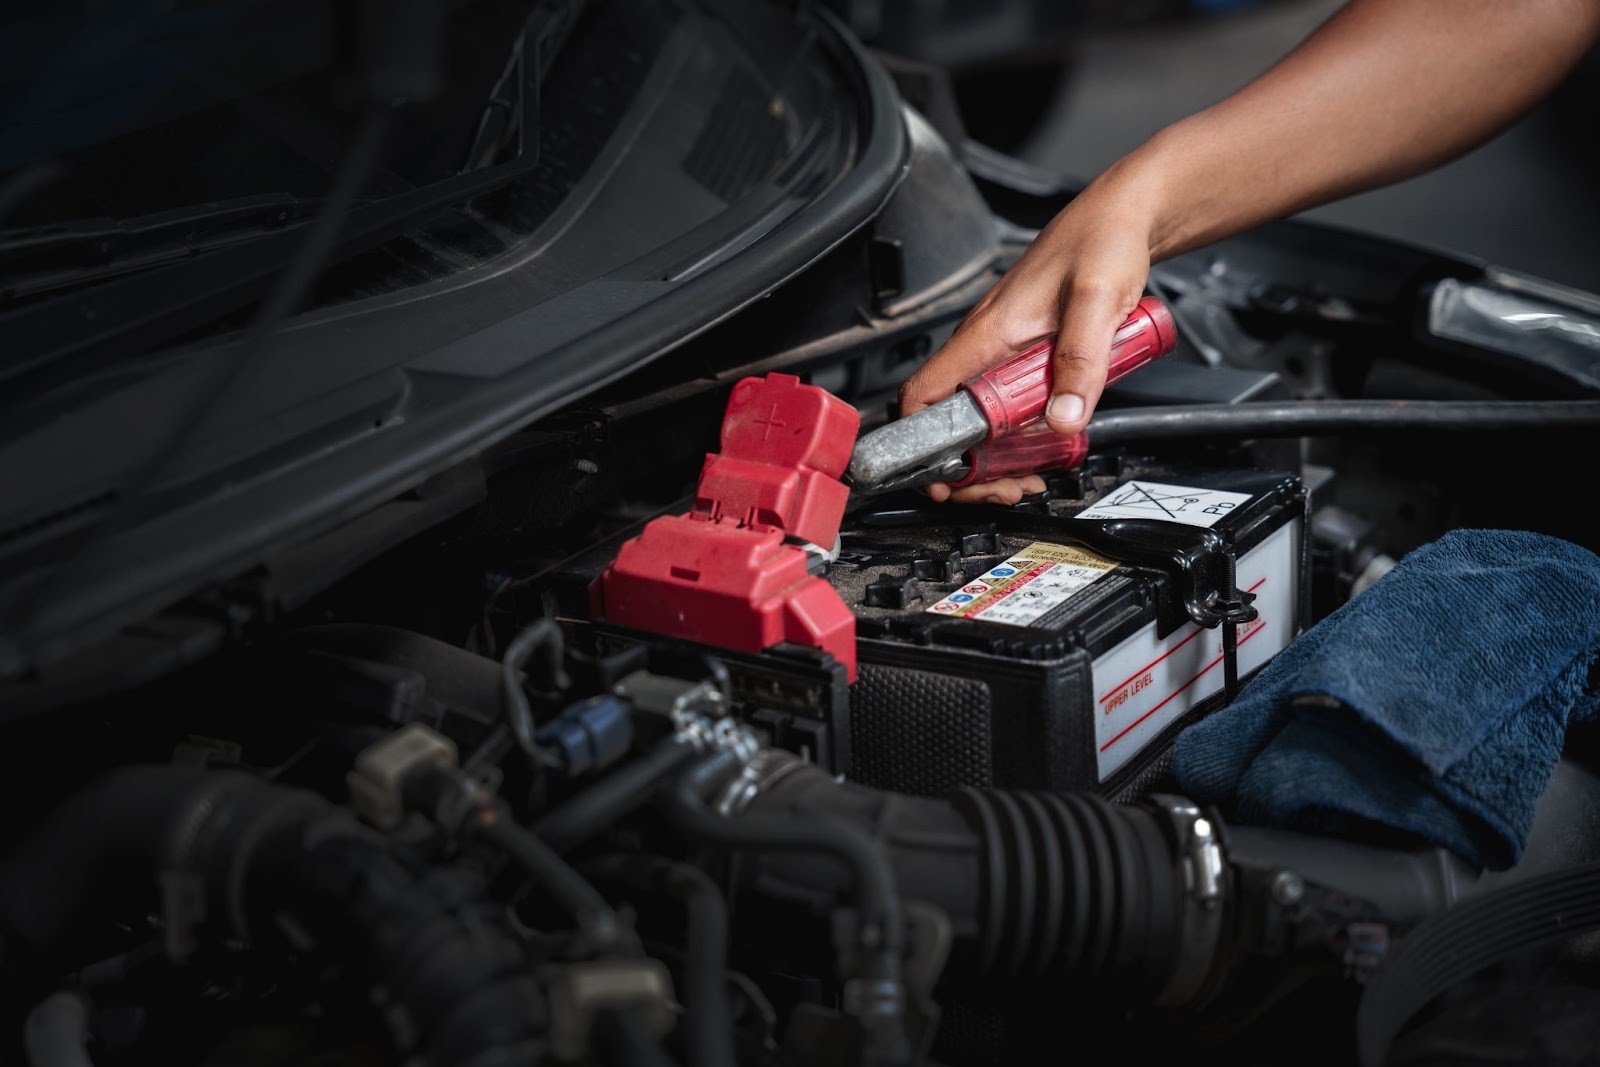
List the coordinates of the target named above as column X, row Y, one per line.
column 694, row 205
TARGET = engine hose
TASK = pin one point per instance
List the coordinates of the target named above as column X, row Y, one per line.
column 460, row 803
column 56, row 1032
column 595, row 917
column 253, row 858
column 543, row 636
column 622, row 1042
column 1307, row 418
column 876, row 993
column 708, row 1017
column 1037, row 886
column 1073, row 887
column 600, row 805
column 1139, row 903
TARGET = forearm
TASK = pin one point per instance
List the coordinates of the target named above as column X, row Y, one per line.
column 1384, row 90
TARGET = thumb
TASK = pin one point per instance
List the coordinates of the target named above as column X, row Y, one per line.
column 1082, row 353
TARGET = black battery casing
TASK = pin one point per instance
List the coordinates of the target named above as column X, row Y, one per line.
column 941, row 703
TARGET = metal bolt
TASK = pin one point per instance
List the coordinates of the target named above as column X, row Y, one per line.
column 1287, row 888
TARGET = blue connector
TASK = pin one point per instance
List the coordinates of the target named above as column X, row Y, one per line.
column 587, row 736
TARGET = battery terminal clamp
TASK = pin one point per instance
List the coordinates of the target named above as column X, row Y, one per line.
column 736, row 571
column 993, row 427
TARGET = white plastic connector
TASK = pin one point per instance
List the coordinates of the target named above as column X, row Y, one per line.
column 380, row 769
column 579, row 992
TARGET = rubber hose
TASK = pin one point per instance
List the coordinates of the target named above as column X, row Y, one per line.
column 263, row 852
column 622, row 1042
column 1309, row 418
column 1074, row 888
column 594, row 916
column 427, row 937
column 437, row 793
column 881, row 933
column 544, row 636
column 708, row 1020
column 119, row 830
column 1037, row 886
column 599, row 806
column 56, row 1032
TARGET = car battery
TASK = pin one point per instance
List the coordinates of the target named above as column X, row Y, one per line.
column 1064, row 643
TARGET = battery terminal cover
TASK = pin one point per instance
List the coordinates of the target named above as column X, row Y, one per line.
column 733, row 572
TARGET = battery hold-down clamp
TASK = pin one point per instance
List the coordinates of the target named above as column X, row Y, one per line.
column 734, row 572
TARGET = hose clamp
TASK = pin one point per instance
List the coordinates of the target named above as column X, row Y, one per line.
column 764, row 768
column 1205, row 882
column 698, row 712
column 866, row 998
column 718, row 735
column 732, row 736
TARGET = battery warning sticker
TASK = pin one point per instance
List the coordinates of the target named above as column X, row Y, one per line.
column 1173, row 503
column 1026, row 587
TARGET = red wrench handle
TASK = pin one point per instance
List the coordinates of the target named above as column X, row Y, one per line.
column 1037, row 448
column 1014, row 393
column 1020, row 387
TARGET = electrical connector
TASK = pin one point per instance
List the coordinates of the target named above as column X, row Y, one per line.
column 382, row 768
column 587, row 736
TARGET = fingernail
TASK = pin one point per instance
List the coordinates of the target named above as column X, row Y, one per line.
column 1066, row 408
column 993, row 499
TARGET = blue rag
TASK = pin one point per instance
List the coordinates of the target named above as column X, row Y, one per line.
column 1435, row 704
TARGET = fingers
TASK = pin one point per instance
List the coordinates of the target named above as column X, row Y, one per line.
column 1094, row 310
column 1078, row 281
column 961, row 357
column 1000, row 491
column 1002, row 324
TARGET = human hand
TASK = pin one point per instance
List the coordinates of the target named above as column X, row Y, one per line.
column 1080, row 279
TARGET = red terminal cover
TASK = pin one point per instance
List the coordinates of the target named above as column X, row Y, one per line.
column 723, row 574
column 784, row 446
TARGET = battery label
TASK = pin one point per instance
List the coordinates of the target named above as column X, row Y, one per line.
column 1171, row 503
column 1146, row 683
column 1027, row 586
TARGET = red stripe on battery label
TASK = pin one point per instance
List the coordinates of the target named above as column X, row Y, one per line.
column 1172, row 695
column 1129, row 680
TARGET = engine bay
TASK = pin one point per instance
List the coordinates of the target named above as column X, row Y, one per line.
column 449, row 812
column 629, row 734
